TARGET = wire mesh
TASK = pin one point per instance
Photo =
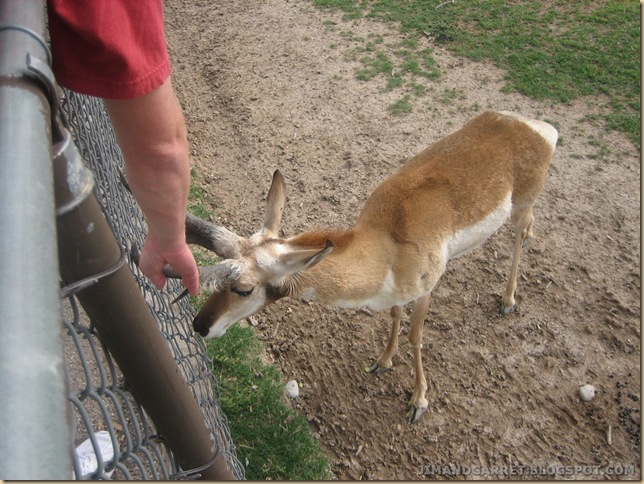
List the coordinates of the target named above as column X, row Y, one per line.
column 106, row 414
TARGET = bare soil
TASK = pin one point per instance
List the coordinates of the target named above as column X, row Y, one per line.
column 268, row 85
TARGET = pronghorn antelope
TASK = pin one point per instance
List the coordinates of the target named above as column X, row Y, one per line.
column 439, row 205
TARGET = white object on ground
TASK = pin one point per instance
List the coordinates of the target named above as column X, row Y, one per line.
column 587, row 392
column 292, row 389
column 87, row 460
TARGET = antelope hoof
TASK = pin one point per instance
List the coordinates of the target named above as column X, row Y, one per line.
column 415, row 412
column 376, row 369
column 505, row 310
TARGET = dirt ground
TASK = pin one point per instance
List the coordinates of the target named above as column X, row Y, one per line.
column 267, row 85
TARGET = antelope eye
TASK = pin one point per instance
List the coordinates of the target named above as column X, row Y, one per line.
column 242, row 293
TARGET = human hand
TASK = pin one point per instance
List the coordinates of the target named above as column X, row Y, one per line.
column 155, row 256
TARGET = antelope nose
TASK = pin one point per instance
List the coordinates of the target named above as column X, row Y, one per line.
column 200, row 327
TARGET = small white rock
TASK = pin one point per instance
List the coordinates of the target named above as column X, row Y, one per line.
column 587, row 392
column 292, row 389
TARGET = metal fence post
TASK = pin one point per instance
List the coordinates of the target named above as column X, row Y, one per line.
column 35, row 440
column 124, row 321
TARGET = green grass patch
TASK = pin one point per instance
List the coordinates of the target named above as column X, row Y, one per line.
column 197, row 203
column 401, row 106
column 379, row 63
column 449, row 96
column 550, row 50
column 272, row 439
column 400, row 65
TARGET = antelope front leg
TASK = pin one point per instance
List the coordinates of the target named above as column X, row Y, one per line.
column 384, row 362
column 418, row 401
column 523, row 228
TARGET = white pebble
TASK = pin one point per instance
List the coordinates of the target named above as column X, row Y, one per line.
column 587, row 392
column 292, row 389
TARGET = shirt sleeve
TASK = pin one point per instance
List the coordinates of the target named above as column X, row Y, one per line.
column 112, row 49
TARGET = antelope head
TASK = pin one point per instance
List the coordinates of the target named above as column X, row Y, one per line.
column 255, row 272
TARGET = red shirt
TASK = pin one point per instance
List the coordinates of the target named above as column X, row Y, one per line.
column 112, row 49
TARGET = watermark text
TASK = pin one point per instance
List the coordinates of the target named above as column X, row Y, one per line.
column 525, row 470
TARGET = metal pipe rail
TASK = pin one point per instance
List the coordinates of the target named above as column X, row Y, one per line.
column 35, row 440
column 113, row 301
column 35, row 421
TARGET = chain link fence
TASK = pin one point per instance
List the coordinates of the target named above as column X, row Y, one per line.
column 112, row 435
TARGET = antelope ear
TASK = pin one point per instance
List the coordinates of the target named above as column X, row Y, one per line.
column 215, row 277
column 275, row 202
column 303, row 259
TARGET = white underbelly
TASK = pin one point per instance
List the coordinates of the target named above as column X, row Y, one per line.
column 384, row 299
column 471, row 237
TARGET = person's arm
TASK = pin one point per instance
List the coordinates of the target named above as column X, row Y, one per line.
column 151, row 133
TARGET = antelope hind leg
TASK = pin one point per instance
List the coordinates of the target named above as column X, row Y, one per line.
column 418, row 403
column 523, row 226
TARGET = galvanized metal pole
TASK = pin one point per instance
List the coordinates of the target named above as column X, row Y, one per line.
column 35, row 440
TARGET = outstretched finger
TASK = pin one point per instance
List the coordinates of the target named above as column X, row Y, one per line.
column 184, row 263
column 190, row 280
